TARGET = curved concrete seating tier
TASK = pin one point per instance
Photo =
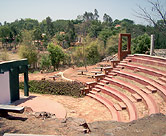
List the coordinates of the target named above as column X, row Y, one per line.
column 144, row 69
column 120, row 97
column 115, row 114
column 151, row 104
column 161, row 59
column 145, row 61
column 143, row 80
column 120, row 77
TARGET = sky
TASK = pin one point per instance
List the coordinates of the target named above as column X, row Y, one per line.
column 10, row 10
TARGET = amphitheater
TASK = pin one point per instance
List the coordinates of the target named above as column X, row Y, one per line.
column 134, row 87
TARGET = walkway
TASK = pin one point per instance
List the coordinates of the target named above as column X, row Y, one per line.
column 40, row 103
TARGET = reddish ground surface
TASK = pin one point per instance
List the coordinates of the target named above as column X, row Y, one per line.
column 86, row 107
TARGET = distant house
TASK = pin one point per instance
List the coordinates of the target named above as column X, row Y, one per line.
column 117, row 26
column 62, row 33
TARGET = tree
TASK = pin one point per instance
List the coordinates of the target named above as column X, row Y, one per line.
column 141, row 44
column 156, row 11
column 30, row 53
column 95, row 28
column 88, row 16
column 95, row 16
column 56, row 55
column 107, row 18
column 37, row 37
column 104, row 35
column 6, row 35
column 45, row 62
column 93, row 55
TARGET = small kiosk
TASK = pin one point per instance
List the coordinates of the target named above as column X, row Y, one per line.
column 9, row 80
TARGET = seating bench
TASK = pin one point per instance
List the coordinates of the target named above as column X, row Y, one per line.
column 4, row 109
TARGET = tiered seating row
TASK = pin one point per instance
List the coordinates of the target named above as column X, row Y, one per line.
column 138, row 94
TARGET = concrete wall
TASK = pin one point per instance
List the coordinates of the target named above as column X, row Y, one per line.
column 4, row 88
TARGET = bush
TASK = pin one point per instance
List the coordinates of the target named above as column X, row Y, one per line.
column 55, row 88
column 28, row 52
column 93, row 55
column 56, row 55
column 141, row 44
column 45, row 62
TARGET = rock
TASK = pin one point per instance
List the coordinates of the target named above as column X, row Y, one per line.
column 28, row 109
column 76, row 124
column 72, row 111
column 44, row 115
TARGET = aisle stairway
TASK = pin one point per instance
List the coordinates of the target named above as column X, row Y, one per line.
column 136, row 87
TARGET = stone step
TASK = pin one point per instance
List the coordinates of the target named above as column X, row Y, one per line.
column 120, row 67
column 112, row 74
column 96, row 89
column 136, row 97
column 108, row 104
column 117, row 107
column 161, row 82
column 122, row 105
column 132, row 99
column 162, row 79
column 151, row 88
column 109, row 76
column 147, row 91
column 100, row 84
column 128, row 60
column 123, row 100
column 93, row 92
column 104, row 81
column 144, row 69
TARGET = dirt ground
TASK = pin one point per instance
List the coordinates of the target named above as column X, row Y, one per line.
column 26, row 123
column 95, row 114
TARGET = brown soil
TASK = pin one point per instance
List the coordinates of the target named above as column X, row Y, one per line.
column 153, row 125
column 96, row 115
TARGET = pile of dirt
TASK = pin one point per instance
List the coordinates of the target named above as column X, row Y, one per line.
column 29, row 123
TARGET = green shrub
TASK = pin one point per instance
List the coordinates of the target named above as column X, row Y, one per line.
column 55, row 88
column 141, row 44
column 93, row 55
column 45, row 61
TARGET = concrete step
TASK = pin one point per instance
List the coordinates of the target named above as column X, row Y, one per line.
column 93, row 92
column 122, row 105
column 108, row 104
column 161, row 82
column 96, row 89
column 137, row 97
column 117, row 107
column 101, row 84
column 162, row 79
column 151, row 88
column 147, row 91
column 122, row 98
column 112, row 74
column 120, row 67
column 109, row 76
column 104, row 81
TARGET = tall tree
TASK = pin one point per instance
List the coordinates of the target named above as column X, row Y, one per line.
column 49, row 26
column 156, row 11
column 104, row 35
column 88, row 16
column 56, row 55
column 107, row 18
column 96, row 15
